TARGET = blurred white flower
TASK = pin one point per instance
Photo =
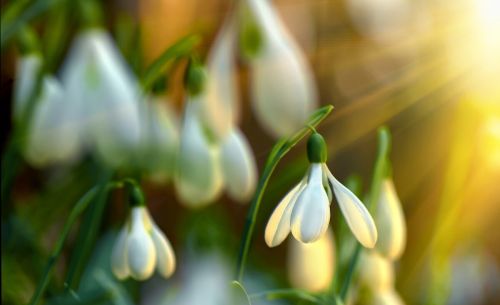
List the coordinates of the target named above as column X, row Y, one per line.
column 305, row 210
column 390, row 222
column 220, row 101
column 386, row 297
column 375, row 272
column 199, row 177
column 98, row 83
column 282, row 84
column 27, row 70
column 159, row 139
column 51, row 132
column 140, row 247
column 238, row 166
column 311, row 266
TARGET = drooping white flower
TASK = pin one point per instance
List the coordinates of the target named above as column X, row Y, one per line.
column 52, row 134
column 386, row 297
column 390, row 222
column 238, row 166
column 375, row 271
column 220, row 101
column 282, row 84
column 141, row 247
column 98, row 82
column 159, row 139
column 199, row 177
column 311, row 266
column 27, row 69
column 305, row 210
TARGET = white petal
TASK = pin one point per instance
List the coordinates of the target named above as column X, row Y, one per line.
column 119, row 264
column 387, row 297
column 220, row 102
column 141, row 252
column 238, row 166
column 355, row 213
column 278, row 226
column 282, row 84
column 311, row 213
column 100, row 84
column 52, row 136
column 375, row 271
column 311, row 266
column 390, row 222
column 165, row 256
column 160, row 139
column 27, row 70
column 199, row 177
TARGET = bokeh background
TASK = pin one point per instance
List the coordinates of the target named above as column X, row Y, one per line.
column 429, row 70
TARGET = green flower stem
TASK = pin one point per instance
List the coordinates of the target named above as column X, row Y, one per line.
column 88, row 232
column 279, row 150
column 181, row 48
column 81, row 205
column 295, row 294
column 379, row 173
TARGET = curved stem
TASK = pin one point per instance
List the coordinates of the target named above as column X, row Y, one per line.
column 379, row 173
column 81, row 205
column 279, row 150
column 287, row 294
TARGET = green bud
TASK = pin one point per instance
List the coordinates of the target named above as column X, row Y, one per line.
column 250, row 35
column 90, row 12
column 316, row 148
column 195, row 77
column 28, row 41
column 136, row 196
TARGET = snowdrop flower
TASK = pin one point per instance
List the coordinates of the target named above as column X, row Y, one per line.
column 141, row 247
column 199, row 178
column 311, row 266
column 305, row 210
column 160, row 137
column 375, row 271
column 220, row 101
column 99, row 84
column 282, row 84
column 390, row 222
column 27, row 69
column 386, row 297
column 238, row 166
column 51, row 134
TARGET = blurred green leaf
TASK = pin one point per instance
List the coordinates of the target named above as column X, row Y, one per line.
column 239, row 294
column 181, row 48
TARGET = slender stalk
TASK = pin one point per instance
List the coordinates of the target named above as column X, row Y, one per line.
column 287, row 294
column 379, row 173
column 81, row 205
column 88, row 233
column 279, row 150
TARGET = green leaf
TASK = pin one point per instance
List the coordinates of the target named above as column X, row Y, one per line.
column 239, row 294
column 181, row 48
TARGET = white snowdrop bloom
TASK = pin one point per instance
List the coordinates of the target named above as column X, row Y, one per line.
column 282, row 83
column 141, row 247
column 239, row 169
column 199, row 177
column 159, row 139
column 51, row 134
column 375, row 271
column 305, row 210
column 100, row 85
column 27, row 69
column 386, row 297
column 311, row 266
column 220, row 101
column 390, row 222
